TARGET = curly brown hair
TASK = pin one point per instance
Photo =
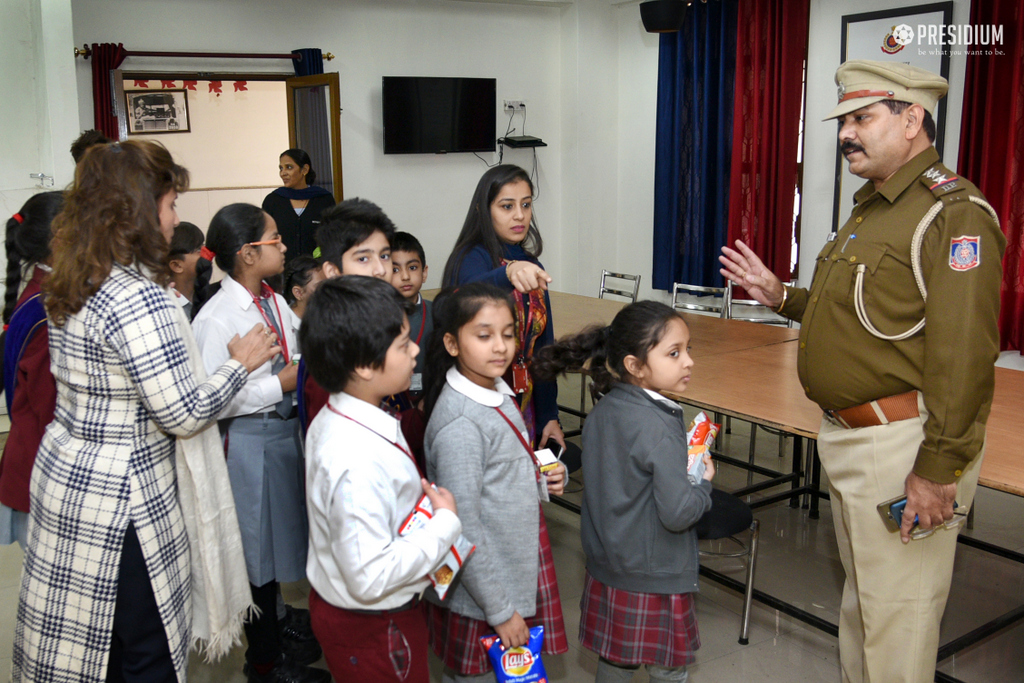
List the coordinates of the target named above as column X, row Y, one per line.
column 111, row 215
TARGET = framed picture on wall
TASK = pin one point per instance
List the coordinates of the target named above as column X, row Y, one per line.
column 157, row 111
column 907, row 35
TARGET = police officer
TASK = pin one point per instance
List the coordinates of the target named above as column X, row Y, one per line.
column 897, row 345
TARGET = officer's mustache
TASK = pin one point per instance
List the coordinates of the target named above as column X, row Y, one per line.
column 850, row 147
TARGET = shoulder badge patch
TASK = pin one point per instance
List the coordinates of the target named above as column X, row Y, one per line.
column 965, row 252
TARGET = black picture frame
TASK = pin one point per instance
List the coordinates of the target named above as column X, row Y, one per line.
column 157, row 112
column 853, row 23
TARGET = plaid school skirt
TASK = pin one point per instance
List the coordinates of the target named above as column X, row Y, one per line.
column 638, row 628
column 455, row 638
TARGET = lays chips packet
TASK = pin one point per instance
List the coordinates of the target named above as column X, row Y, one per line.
column 700, row 437
column 517, row 664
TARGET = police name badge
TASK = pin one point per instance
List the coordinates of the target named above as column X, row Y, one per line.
column 965, row 252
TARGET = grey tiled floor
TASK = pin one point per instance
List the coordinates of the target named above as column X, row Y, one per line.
column 798, row 563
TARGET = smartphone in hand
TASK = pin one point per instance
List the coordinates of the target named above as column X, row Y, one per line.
column 891, row 512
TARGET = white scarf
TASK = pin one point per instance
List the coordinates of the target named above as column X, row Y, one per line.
column 221, row 597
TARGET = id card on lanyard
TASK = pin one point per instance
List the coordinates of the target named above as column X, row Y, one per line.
column 520, row 373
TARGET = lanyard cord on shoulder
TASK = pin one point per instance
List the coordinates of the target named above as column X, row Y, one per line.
column 393, row 443
column 519, row 435
column 423, row 319
column 282, row 338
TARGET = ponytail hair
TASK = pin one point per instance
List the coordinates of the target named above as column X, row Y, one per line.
column 202, row 290
column 28, row 241
column 602, row 351
column 231, row 228
column 452, row 309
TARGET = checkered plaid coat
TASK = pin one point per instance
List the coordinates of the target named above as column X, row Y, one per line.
column 124, row 390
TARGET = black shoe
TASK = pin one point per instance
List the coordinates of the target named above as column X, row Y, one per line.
column 297, row 616
column 296, row 625
column 287, row 671
column 301, row 652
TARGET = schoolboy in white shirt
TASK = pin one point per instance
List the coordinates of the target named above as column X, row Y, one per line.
column 361, row 483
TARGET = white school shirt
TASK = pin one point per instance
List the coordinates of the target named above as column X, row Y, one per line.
column 492, row 398
column 658, row 397
column 232, row 311
column 360, row 488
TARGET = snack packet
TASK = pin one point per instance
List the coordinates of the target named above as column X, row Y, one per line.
column 700, row 437
column 442, row 577
column 517, row 664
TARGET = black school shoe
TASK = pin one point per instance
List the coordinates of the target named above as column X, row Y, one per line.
column 287, row 671
column 296, row 624
column 302, row 652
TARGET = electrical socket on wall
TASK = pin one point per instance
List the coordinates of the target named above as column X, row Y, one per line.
column 514, row 105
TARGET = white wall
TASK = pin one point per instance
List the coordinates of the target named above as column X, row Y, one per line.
column 586, row 69
column 427, row 195
column 38, row 109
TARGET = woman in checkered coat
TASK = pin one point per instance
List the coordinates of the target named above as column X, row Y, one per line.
column 105, row 591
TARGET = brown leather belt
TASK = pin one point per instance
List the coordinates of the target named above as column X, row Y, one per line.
column 875, row 413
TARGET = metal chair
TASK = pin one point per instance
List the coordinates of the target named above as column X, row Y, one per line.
column 766, row 315
column 728, row 517
column 605, row 289
column 719, row 302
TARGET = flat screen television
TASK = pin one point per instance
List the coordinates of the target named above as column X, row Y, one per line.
column 425, row 115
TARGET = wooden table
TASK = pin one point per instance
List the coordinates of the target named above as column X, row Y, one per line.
column 749, row 371
column 1003, row 466
column 757, row 384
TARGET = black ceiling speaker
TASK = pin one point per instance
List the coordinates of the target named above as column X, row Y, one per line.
column 663, row 16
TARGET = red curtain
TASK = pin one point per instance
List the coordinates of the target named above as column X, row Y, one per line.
column 105, row 58
column 992, row 147
column 771, row 46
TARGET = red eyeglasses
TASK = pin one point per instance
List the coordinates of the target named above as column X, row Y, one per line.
column 276, row 240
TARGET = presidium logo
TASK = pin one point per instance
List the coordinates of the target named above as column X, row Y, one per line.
column 897, row 39
column 973, row 38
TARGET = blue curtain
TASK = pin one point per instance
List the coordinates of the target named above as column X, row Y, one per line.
column 696, row 78
column 312, row 61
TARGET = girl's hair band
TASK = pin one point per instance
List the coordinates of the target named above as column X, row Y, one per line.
column 18, row 217
column 207, row 254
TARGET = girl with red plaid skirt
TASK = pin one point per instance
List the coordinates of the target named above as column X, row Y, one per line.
column 640, row 504
column 477, row 446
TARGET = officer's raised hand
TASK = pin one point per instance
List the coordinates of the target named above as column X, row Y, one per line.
column 745, row 269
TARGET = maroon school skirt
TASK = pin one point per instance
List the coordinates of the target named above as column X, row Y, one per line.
column 638, row 628
column 456, row 638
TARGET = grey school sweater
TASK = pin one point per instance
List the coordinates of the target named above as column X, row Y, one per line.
column 639, row 507
column 473, row 452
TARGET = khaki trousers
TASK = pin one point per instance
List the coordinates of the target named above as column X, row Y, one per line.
column 894, row 594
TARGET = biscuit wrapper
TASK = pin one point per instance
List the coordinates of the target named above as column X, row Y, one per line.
column 517, row 664
column 700, row 437
column 442, row 577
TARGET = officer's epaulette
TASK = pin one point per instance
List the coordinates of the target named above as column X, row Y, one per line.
column 942, row 182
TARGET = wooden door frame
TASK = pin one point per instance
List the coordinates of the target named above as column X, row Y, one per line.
column 333, row 85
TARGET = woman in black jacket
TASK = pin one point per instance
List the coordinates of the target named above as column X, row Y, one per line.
column 296, row 207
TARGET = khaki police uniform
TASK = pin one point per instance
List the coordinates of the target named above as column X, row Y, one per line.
column 941, row 378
